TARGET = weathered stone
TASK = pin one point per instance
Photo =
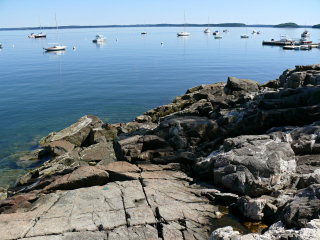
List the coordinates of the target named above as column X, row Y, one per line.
column 254, row 165
column 252, row 208
column 82, row 177
column 304, row 207
column 76, row 134
column 235, row 84
column 100, row 152
column 60, row 147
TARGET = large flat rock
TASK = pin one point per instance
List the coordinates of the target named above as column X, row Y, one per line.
column 158, row 203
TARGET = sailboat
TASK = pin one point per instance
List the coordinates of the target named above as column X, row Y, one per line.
column 184, row 33
column 207, row 30
column 56, row 46
column 245, row 35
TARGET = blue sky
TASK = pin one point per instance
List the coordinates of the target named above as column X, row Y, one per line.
column 20, row 13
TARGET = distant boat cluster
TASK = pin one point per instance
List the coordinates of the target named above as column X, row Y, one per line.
column 304, row 42
column 287, row 43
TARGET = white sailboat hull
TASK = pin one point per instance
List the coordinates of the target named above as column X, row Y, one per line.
column 55, row 48
column 183, row 34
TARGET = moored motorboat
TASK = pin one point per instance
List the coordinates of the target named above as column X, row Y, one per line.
column 0, row 45
column 218, row 37
column 99, row 39
column 215, row 33
column 225, row 30
column 40, row 35
column 305, row 34
column 244, row 36
column 144, row 33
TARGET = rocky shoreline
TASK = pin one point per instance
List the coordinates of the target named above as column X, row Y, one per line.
column 254, row 148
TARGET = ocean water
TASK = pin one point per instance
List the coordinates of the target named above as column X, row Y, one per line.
column 129, row 74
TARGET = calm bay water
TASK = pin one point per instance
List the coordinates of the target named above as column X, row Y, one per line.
column 129, row 74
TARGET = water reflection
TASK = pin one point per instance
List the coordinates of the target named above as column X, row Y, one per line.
column 56, row 53
column 100, row 44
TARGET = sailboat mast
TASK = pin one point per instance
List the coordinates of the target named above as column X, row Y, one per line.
column 55, row 18
column 184, row 25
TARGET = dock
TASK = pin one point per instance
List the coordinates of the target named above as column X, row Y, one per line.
column 278, row 43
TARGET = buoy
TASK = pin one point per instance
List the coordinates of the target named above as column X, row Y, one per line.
column 74, row 48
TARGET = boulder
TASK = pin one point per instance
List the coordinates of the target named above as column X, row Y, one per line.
column 76, row 134
column 304, row 207
column 306, row 139
column 60, row 147
column 275, row 232
column 254, row 165
column 82, row 177
column 295, row 80
column 252, row 208
column 235, row 85
column 306, row 180
column 101, row 152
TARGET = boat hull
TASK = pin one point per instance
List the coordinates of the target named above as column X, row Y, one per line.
column 40, row 36
column 183, row 34
column 52, row 49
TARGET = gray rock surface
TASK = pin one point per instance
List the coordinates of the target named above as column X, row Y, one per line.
column 76, row 134
column 254, row 165
column 275, row 232
column 161, row 203
column 304, row 207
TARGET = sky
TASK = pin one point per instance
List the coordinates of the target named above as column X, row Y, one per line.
column 27, row 13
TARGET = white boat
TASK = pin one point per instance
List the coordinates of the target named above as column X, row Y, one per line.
column 0, row 45
column 144, row 33
column 254, row 32
column 215, row 33
column 31, row 35
column 305, row 34
column 291, row 47
column 225, row 30
column 305, row 41
column 244, row 36
column 184, row 33
column 99, row 38
column 259, row 32
column 55, row 48
column 207, row 30
column 305, row 47
column 40, row 35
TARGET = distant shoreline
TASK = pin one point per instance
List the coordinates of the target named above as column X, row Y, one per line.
column 149, row 25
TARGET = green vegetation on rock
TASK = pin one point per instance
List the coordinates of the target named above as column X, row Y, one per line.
column 287, row 25
column 316, row 26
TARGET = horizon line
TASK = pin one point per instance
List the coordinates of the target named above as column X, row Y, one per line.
column 151, row 25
